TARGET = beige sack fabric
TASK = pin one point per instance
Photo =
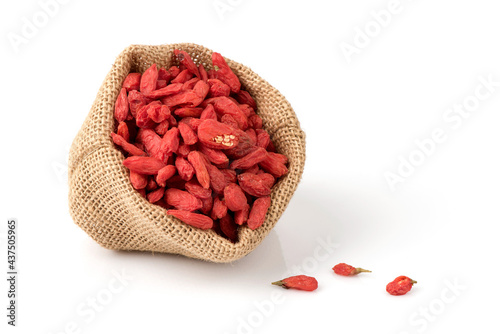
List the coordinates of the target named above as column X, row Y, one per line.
column 103, row 202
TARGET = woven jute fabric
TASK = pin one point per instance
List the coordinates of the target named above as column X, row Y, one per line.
column 102, row 200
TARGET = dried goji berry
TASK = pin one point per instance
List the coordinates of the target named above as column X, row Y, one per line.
column 183, row 77
column 156, row 195
column 207, row 205
column 400, row 286
column 229, row 175
column 223, row 105
column 194, row 219
column 229, row 120
column 208, row 113
column 229, row 228
column 243, row 97
column 241, row 217
column 129, row 148
column 162, row 128
column 123, row 131
column 189, row 85
column 170, row 141
column 273, row 165
column 184, row 150
column 218, row 88
column 200, row 169
column 158, row 113
column 143, row 165
column 136, row 100
column 219, row 209
column 164, row 75
column 171, row 89
column 152, row 185
column 234, row 197
column 263, row 138
column 217, row 179
column 348, row 270
column 195, row 189
column 184, row 168
column 132, row 81
column 174, row 71
column 184, row 58
column 299, row 282
column 164, row 174
column 214, row 156
column 224, row 73
column 148, row 79
column 255, row 122
column 252, row 158
column 216, row 135
column 121, row 106
column 138, row 181
column 258, row 212
column 188, row 112
column 203, row 73
column 182, row 200
column 161, row 84
column 188, row 135
column 254, row 184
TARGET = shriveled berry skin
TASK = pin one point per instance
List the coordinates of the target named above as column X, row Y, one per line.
column 344, row 269
column 400, row 286
column 299, row 282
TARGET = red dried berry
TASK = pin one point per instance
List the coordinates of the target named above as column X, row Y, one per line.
column 400, row 286
column 299, row 282
column 216, row 135
column 258, row 212
column 143, row 165
column 347, row 270
column 182, row 200
column 148, row 79
column 121, row 106
column 194, row 219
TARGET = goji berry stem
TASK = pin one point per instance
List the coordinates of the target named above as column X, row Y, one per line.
column 280, row 283
column 413, row 282
column 361, row 270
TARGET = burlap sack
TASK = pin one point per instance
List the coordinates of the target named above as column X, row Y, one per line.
column 104, row 204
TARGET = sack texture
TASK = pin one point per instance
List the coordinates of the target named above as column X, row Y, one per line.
column 102, row 200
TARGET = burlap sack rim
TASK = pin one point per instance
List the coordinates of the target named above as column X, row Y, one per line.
column 295, row 170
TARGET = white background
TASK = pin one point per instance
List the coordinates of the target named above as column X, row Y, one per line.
column 439, row 226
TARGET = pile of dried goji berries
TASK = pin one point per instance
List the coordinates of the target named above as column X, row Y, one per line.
column 195, row 145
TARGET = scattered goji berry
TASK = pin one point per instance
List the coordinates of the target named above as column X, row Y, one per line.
column 400, row 286
column 348, row 270
column 299, row 282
